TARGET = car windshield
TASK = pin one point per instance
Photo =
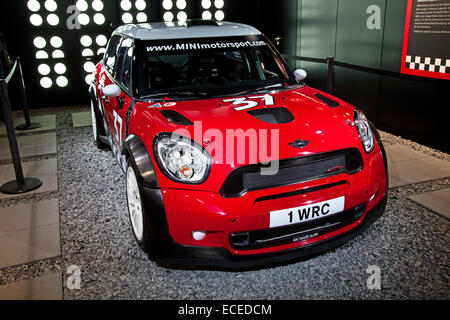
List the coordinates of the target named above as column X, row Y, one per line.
column 210, row 67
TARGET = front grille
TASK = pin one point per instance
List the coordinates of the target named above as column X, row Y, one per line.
column 292, row 171
column 300, row 231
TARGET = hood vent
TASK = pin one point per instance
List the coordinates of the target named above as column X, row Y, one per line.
column 331, row 103
column 176, row 118
column 278, row 115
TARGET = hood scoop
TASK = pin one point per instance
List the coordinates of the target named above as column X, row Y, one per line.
column 176, row 118
column 331, row 103
column 277, row 115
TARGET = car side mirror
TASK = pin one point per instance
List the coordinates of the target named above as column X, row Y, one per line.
column 112, row 91
column 300, row 74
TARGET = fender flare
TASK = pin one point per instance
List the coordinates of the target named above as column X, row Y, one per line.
column 383, row 154
column 135, row 148
column 380, row 144
column 98, row 113
column 93, row 94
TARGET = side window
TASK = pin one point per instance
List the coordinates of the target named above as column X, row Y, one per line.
column 110, row 54
column 123, row 63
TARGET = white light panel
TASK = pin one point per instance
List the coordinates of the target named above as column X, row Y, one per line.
column 213, row 9
column 174, row 10
column 36, row 20
column 134, row 11
column 49, row 45
column 51, row 5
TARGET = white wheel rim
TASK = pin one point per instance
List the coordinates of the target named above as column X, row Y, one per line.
column 134, row 204
column 94, row 121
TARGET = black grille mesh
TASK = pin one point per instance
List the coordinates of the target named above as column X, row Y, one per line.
column 288, row 175
column 292, row 171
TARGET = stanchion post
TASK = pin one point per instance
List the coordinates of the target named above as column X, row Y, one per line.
column 330, row 78
column 20, row 185
column 28, row 125
column 2, row 73
column 6, row 108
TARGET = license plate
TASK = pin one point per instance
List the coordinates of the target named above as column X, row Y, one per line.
column 305, row 213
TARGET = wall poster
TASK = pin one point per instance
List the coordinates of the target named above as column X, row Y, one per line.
column 426, row 44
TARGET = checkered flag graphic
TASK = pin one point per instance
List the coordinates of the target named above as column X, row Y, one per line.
column 428, row 64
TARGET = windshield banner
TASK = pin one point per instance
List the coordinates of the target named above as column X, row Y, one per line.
column 200, row 44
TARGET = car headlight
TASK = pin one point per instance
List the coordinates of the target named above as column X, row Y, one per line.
column 182, row 159
column 365, row 133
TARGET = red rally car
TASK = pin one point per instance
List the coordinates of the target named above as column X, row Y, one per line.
column 230, row 159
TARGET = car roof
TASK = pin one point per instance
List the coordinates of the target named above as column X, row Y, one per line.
column 185, row 30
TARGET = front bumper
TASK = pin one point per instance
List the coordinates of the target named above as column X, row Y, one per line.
column 166, row 251
column 174, row 214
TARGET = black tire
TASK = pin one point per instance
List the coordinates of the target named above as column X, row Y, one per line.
column 97, row 127
column 143, row 239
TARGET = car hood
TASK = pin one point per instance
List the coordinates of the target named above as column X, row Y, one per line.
column 322, row 126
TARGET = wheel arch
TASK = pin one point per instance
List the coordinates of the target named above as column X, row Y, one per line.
column 135, row 149
column 93, row 94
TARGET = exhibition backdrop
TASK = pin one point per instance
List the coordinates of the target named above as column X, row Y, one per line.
column 407, row 105
column 426, row 44
column 368, row 33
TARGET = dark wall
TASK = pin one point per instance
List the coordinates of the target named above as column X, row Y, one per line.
column 19, row 34
column 413, row 107
column 409, row 106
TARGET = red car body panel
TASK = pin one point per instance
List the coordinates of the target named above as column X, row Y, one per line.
column 320, row 128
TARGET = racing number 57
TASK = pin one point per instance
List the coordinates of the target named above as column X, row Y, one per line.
column 248, row 103
column 118, row 121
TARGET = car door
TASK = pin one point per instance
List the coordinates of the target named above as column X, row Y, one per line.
column 119, row 108
column 106, row 77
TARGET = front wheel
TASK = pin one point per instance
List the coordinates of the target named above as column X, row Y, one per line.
column 136, row 211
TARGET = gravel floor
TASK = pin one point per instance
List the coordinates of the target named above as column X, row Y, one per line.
column 409, row 243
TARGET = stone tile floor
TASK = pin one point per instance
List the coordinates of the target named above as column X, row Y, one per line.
column 31, row 145
column 437, row 201
column 47, row 122
column 47, row 287
column 407, row 166
column 79, row 218
column 29, row 229
column 29, row 232
column 45, row 170
column 81, row 119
